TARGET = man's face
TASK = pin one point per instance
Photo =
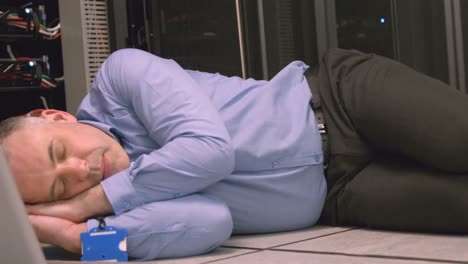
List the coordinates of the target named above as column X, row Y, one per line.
column 58, row 160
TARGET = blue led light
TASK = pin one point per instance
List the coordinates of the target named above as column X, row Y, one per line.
column 382, row 20
column 31, row 63
column 27, row 10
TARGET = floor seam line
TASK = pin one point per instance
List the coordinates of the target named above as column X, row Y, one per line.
column 312, row 238
column 243, row 254
column 370, row 256
column 297, row 241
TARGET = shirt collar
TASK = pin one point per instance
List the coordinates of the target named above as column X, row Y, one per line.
column 109, row 130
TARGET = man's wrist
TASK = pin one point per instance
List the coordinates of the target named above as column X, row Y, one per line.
column 121, row 193
column 96, row 202
column 72, row 240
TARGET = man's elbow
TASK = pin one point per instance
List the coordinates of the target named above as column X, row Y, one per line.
column 229, row 157
column 223, row 160
column 198, row 225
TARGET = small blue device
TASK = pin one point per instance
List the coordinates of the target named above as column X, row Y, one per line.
column 104, row 243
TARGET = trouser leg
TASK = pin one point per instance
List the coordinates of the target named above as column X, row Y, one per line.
column 400, row 111
column 348, row 153
column 376, row 105
column 401, row 195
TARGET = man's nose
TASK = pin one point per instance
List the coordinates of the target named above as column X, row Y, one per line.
column 79, row 168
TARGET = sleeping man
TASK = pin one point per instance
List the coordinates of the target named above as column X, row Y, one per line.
column 183, row 159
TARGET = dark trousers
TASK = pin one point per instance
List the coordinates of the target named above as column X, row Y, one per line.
column 398, row 143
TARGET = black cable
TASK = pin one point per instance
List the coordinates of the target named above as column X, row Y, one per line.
column 51, row 24
column 102, row 223
column 37, row 24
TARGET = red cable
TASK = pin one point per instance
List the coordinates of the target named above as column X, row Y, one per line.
column 23, row 59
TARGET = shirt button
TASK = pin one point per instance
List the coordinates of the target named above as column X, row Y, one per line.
column 126, row 204
column 275, row 164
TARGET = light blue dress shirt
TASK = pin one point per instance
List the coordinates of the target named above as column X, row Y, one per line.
column 210, row 154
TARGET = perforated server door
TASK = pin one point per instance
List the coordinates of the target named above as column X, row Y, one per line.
column 413, row 32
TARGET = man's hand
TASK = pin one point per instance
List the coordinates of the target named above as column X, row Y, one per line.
column 58, row 232
column 89, row 203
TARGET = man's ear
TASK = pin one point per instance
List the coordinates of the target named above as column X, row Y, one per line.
column 57, row 115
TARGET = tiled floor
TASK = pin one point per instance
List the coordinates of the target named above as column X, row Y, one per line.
column 324, row 245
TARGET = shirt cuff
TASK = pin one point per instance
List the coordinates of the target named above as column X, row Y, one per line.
column 92, row 223
column 120, row 192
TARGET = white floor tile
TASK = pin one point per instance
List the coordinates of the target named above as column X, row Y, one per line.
column 276, row 257
column 271, row 240
column 217, row 254
column 367, row 242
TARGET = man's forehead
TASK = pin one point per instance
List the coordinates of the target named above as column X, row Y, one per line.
column 24, row 144
column 24, row 134
column 27, row 155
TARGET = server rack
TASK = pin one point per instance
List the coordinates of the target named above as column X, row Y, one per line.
column 427, row 35
column 31, row 72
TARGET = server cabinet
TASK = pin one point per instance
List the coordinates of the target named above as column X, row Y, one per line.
column 413, row 32
column 427, row 35
column 31, row 72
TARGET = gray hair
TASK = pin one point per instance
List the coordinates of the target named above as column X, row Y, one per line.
column 13, row 124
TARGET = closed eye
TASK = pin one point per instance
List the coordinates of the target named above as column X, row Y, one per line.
column 61, row 190
column 62, row 152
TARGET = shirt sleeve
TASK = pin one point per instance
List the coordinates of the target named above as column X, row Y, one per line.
column 195, row 147
column 187, row 226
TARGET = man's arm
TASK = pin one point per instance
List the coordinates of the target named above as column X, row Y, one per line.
column 187, row 226
column 58, row 232
column 156, row 105
column 195, row 147
column 92, row 202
